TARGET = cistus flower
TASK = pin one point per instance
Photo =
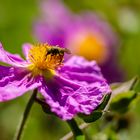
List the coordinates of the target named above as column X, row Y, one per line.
column 86, row 34
column 77, row 86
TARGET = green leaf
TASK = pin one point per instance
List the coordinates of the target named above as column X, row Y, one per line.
column 122, row 101
column 92, row 117
column 97, row 113
column 105, row 102
column 124, row 87
column 122, row 95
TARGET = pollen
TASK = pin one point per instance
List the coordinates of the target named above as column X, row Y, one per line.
column 44, row 57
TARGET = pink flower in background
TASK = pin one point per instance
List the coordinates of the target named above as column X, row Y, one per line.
column 86, row 34
column 77, row 86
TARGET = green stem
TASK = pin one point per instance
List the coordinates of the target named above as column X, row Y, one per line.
column 25, row 115
column 69, row 135
column 75, row 129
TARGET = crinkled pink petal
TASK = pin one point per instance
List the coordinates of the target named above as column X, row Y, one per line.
column 15, row 82
column 67, row 98
column 79, row 69
column 78, row 63
column 12, row 59
column 25, row 49
column 79, row 87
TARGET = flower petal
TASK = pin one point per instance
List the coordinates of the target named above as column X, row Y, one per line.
column 14, row 82
column 12, row 59
column 79, row 87
column 79, row 69
column 25, row 48
column 67, row 97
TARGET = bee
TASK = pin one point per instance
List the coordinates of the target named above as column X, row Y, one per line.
column 56, row 53
column 56, row 50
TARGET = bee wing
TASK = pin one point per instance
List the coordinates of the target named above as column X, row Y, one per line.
column 66, row 50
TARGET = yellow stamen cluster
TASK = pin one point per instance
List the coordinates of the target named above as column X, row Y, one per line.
column 45, row 58
column 91, row 46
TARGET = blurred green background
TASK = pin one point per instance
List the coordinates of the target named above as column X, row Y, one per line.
column 16, row 20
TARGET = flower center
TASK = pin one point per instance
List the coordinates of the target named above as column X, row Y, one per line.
column 91, row 46
column 45, row 58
